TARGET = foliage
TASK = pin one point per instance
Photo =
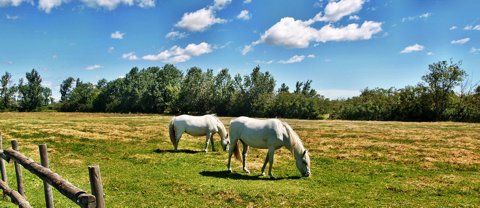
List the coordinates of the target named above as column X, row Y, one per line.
column 32, row 95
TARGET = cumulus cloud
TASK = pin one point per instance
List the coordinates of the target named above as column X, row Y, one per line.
column 247, row 1
column 293, row 59
column 430, row 53
column 292, row 33
column 48, row 5
column 474, row 50
column 111, row 49
column 244, row 15
column 117, row 35
column 11, row 17
column 175, row 35
column 93, row 67
column 354, row 17
column 199, row 20
column 220, row 4
column 177, row 54
column 413, row 48
column 453, row 27
column 112, row 4
column 421, row 16
column 335, row 11
column 15, row 3
column 130, row 56
column 460, row 41
column 311, row 56
column 471, row 27
column 263, row 62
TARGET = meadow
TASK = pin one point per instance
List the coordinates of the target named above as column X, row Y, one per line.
column 354, row 163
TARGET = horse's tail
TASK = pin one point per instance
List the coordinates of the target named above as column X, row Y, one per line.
column 171, row 130
column 236, row 152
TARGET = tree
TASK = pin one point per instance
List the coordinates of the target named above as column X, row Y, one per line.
column 66, row 88
column 223, row 92
column 32, row 92
column 7, row 92
column 441, row 80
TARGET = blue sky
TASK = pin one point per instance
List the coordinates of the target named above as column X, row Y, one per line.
column 343, row 46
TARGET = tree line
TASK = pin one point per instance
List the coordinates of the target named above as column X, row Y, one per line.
column 167, row 90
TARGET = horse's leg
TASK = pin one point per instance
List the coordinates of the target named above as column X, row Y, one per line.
column 264, row 165
column 209, row 135
column 233, row 143
column 271, row 152
column 211, row 141
column 244, row 155
column 177, row 139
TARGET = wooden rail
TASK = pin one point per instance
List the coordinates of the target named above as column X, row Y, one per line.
column 80, row 197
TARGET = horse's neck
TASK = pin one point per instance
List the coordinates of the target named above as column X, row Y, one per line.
column 221, row 129
column 295, row 145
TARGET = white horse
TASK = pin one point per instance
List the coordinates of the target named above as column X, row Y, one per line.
column 268, row 134
column 206, row 125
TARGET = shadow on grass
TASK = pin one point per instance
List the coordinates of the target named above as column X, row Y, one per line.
column 238, row 176
column 178, row 151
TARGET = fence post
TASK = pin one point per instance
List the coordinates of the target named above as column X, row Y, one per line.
column 96, row 185
column 18, row 171
column 46, row 187
column 2, row 165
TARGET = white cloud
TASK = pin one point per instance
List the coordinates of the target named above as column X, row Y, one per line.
column 471, row 27
column 146, row 3
column 247, row 1
column 311, row 56
column 244, row 15
column 11, row 17
column 130, row 56
column 430, row 53
column 199, row 20
column 338, row 93
column 15, row 3
column 175, row 35
column 335, row 11
column 413, row 48
column 111, row 49
column 354, row 17
column 263, row 62
column 48, row 5
column 177, row 54
column 293, row 59
column 460, row 41
column 108, row 4
column 93, row 67
column 117, row 35
column 220, row 4
column 475, row 50
column 292, row 33
column 412, row 18
column 453, row 27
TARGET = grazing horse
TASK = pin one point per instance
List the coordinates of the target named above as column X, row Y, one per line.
column 206, row 125
column 268, row 134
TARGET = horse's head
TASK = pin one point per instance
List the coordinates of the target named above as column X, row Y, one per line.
column 303, row 164
column 225, row 142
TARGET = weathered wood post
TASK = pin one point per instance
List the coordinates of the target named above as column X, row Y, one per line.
column 2, row 165
column 18, row 171
column 46, row 187
column 96, row 185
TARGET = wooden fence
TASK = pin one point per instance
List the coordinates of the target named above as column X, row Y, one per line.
column 49, row 178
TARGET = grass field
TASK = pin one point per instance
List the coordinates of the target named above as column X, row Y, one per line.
column 354, row 163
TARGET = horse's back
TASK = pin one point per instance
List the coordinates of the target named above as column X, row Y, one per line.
column 195, row 125
column 257, row 133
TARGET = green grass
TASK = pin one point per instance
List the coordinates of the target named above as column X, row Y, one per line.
column 354, row 163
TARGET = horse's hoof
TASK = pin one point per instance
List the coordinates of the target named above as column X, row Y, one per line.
column 272, row 177
column 246, row 171
column 230, row 171
column 263, row 174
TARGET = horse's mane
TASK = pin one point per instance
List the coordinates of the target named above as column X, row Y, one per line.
column 296, row 145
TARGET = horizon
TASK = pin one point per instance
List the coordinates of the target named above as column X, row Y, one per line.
column 342, row 46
